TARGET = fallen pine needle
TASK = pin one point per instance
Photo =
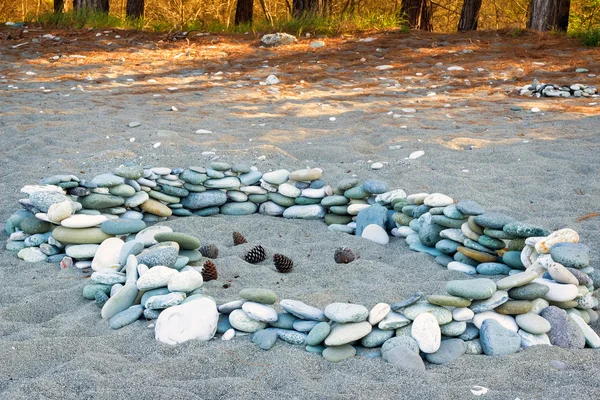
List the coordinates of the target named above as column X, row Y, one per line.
column 588, row 216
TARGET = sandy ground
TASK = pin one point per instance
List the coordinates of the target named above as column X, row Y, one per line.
column 539, row 167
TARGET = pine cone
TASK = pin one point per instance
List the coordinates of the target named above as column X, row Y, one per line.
column 209, row 271
column 282, row 263
column 210, row 251
column 344, row 255
column 238, row 238
column 255, row 255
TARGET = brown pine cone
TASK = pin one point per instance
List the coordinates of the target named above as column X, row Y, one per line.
column 344, row 255
column 210, row 251
column 255, row 255
column 209, row 271
column 238, row 239
column 282, row 263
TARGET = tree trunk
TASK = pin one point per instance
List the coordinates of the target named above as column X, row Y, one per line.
column 469, row 15
column 302, row 8
column 135, row 9
column 545, row 15
column 243, row 11
column 417, row 14
column 59, row 6
column 91, row 5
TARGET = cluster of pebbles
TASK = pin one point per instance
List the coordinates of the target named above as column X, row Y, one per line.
column 100, row 226
column 549, row 90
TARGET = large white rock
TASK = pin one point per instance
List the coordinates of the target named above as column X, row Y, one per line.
column 376, row 234
column 426, row 331
column 505, row 320
column 185, row 281
column 146, row 236
column 378, row 313
column 107, row 255
column 83, row 221
column 388, row 197
column 289, row 190
column 156, row 277
column 259, row 312
column 438, row 200
column 558, row 292
column 194, row 320
column 59, row 211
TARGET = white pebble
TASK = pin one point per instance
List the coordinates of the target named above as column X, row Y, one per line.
column 416, row 154
column 376, row 165
column 156, row 145
column 229, row 334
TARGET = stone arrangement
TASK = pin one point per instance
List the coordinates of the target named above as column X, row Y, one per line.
column 100, row 226
column 549, row 90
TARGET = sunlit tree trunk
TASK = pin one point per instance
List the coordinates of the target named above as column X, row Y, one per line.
column 417, row 14
column 546, row 15
column 243, row 11
column 469, row 15
column 91, row 5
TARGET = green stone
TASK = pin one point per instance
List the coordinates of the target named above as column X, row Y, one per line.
column 163, row 197
column 97, row 201
column 258, row 198
column 263, row 296
column 245, row 208
column 491, row 243
column 337, row 354
column 346, row 184
column 281, row 200
column 339, row 210
column 90, row 290
column 192, row 255
column 408, row 210
column 447, row 222
column 398, row 203
column 32, row 225
column 174, row 191
column 448, row 301
column 334, row 201
column 79, row 236
column 441, row 314
column 129, row 172
column 531, row 291
column 475, row 289
column 306, row 201
column 513, row 259
column 192, row 177
column 220, row 166
column 496, row 233
column 331, row 219
column 122, row 190
column 357, row 192
column 402, row 219
column 516, row 244
column 185, row 241
column 194, row 188
column 68, row 185
column 523, row 230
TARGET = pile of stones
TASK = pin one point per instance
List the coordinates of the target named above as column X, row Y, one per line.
column 549, row 90
column 100, row 226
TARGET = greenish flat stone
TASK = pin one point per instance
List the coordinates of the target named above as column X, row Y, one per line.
column 402, row 219
column 194, row 188
column 448, row 301
column 129, row 172
column 491, row 243
column 475, row 289
column 263, row 296
column 497, row 234
column 122, row 226
column 281, row 200
column 163, row 197
column 408, row 210
column 174, row 191
column 516, row 244
column 513, row 259
column 245, row 208
column 90, row 290
column 331, row 219
column 520, row 229
column 337, row 354
column 258, row 198
column 306, row 201
column 335, row 200
column 318, row 333
column 96, row 201
column 493, row 220
column 192, row 255
column 441, row 314
column 79, row 236
column 493, row 268
column 207, row 212
column 339, row 210
column 32, row 225
column 192, row 177
column 447, row 222
column 531, row 291
column 357, row 192
column 122, row 190
column 185, row 241
column 182, row 212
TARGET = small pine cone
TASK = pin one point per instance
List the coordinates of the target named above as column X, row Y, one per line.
column 238, row 238
column 255, row 255
column 209, row 271
column 210, row 251
column 344, row 255
column 282, row 263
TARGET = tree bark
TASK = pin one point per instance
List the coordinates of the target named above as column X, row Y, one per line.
column 545, row 15
column 302, row 8
column 59, row 6
column 134, row 9
column 417, row 14
column 469, row 15
column 243, row 11
column 91, row 5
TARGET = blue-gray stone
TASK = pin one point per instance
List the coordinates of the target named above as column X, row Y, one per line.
column 493, row 220
column 90, row 290
column 291, row 336
column 408, row 301
column 129, row 172
column 368, row 352
column 404, row 358
column 377, row 337
column 122, row 226
column 317, row 184
column 174, row 191
column 531, row 291
column 497, row 299
column 193, row 177
column 224, row 325
column 408, row 210
column 37, row 239
column 447, row 246
column 335, row 200
column 151, row 314
column 126, row 317
column 182, row 212
column 497, row 234
column 460, row 257
column 356, row 192
column 302, row 311
column 450, row 350
column 520, row 229
column 245, row 208
column 429, row 234
column 210, row 198
column 444, row 260
column 415, row 225
column 492, row 268
column 212, row 173
column 97, row 201
column 564, row 332
column 55, row 258
column 375, row 214
column 446, row 222
column 43, row 200
column 177, row 171
column 163, row 255
column 15, row 245
column 497, row 340
column 470, row 207
column 284, row 321
column 471, row 244
column 101, row 298
column 470, row 333
column 452, row 211
column 240, row 168
column 375, row 187
column 250, row 178
column 318, row 333
column 571, row 255
column 181, row 262
column 207, row 212
column 315, row 349
column 420, row 210
column 107, row 180
column 491, row 243
column 421, row 248
column 154, row 292
column 476, row 289
column 513, row 259
column 304, row 326
column 265, row 338
column 164, row 301
column 134, row 247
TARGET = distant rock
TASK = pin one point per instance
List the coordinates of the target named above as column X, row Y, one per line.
column 277, row 39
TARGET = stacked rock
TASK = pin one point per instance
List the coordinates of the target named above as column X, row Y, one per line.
column 138, row 270
column 549, row 90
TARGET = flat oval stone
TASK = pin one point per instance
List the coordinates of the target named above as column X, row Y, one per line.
column 185, row 241
column 301, row 310
column 531, row 291
column 259, row 312
column 107, row 255
column 242, row 322
column 334, row 200
column 230, row 182
column 377, row 337
column 306, row 174
column 185, row 281
column 462, row 267
column 524, row 230
column 291, row 336
column 513, row 259
column 305, row 212
column 442, row 315
column 448, row 301
column 33, row 225
column 210, row 198
column 304, row 326
column 505, row 320
column 164, row 301
column 318, row 334
column 164, row 254
column 120, row 301
column 514, row 307
column 96, row 201
column 82, row 251
column 156, row 208
column 31, row 254
column 498, row 298
column 126, row 317
column 375, row 233
column 265, row 338
column 571, row 255
column 450, row 350
column 470, row 207
column 493, row 269
column 426, row 331
column 378, row 313
column 516, row 280
column 155, row 278
column 558, row 292
column 393, row 320
column 263, row 296
column 348, row 332
column 271, row 208
column 83, row 221
column 122, row 226
column 454, row 328
column 475, row 289
column 193, row 177
column 284, row 320
column 496, row 340
column 564, row 332
column 493, row 220
column 338, row 353
column 374, row 186
column 344, row 312
column 79, row 236
column 250, row 178
column 533, row 323
column 146, row 236
column 438, row 200
column 276, row 177
column 245, row 208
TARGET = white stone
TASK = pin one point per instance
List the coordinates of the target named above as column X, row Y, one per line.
column 558, row 292
column 276, row 177
column 82, row 251
column 259, row 312
column 417, row 198
column 455, row 68
column 376, row 234
column 314, row 193
column 505, row 320
column 289, row 190
column 29, row 189
column 591, row 338
column 146, row 235
column 196, row 319
column 83, row 221
column 416, row 154
column 438, row 200
column 229, row 334
column 378, row 313
column 528, row 339
column 31, row 254
column 561, row 236
column 59, row 211
column 156, row 277
column 107, row 255
column 341, row 334
column 393, row 320
column 388, row 197
column 271, row 80
column 185, row 281
column 462, row 314
column 377, row 165
column 426, row 331
column 560, row 274
column 405, row 231
column 306, row 174
column 462, row 267
column 354, row 209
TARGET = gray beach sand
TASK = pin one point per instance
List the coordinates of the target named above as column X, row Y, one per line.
column 538, row 167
